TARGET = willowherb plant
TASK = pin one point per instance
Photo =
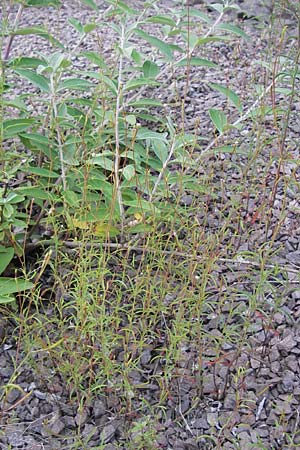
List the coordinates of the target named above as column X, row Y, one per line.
column 91, row 154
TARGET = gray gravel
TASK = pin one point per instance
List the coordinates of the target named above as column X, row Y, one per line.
column 250, row 397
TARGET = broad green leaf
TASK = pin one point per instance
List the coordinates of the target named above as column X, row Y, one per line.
column 95, row 58
column 16, row 103
column 233, row 29
column 138, row 82
column 75, row 84
column 57, row 60
column 123, row 7
column 6, row 255
column 110, row 84
column 193, row 12
column 13, row 285
column 144, row 133
column 164, row 48
column 76, row 24
column 105, row 229
column 39, row 31
column 139, row 228
column 218, row 7
column 101, row 161
column 160, row 149
column 71, row 198
column 36, row 138
column 195, row 61
column 90, row 3
column 140, row 205
column 5, row 299
column 37, row 193
column 208, row 39
column 43, row 3
column 38, row 80
column 131, row 119
column 229, row 93
column 12, row 198
column 128, row 172
column 145, row 103
column 137, row 57
column 42, row 172
column 219, row 119
column 88, row 27
column 24, row 62
column 150, row 69
column 229, row 149
column 13, row 127
column 164, row 20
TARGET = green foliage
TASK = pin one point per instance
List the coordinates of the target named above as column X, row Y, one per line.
column 104, row 155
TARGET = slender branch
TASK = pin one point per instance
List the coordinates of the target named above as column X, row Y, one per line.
column 12, row 35
column 117, row 127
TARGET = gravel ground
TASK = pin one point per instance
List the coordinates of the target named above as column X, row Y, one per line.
column 249, row 395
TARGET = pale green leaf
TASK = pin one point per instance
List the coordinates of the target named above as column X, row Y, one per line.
column 150, row 69
column 162, row 46
column 144, row 133
column 24, row 62
column 139, row 82
column 164, row 20
column 38, row 80
column 229, row 93
column 43, row 3
column 13, row 127
column 75, row 84
column 219, row 119
column 233, row 29
column 91, row 4
column 40, row 171
column 128, row 172
column 13, row 285
column 6, row 255
column 195, row 61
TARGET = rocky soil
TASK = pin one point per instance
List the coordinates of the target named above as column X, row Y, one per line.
column 243, row 396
